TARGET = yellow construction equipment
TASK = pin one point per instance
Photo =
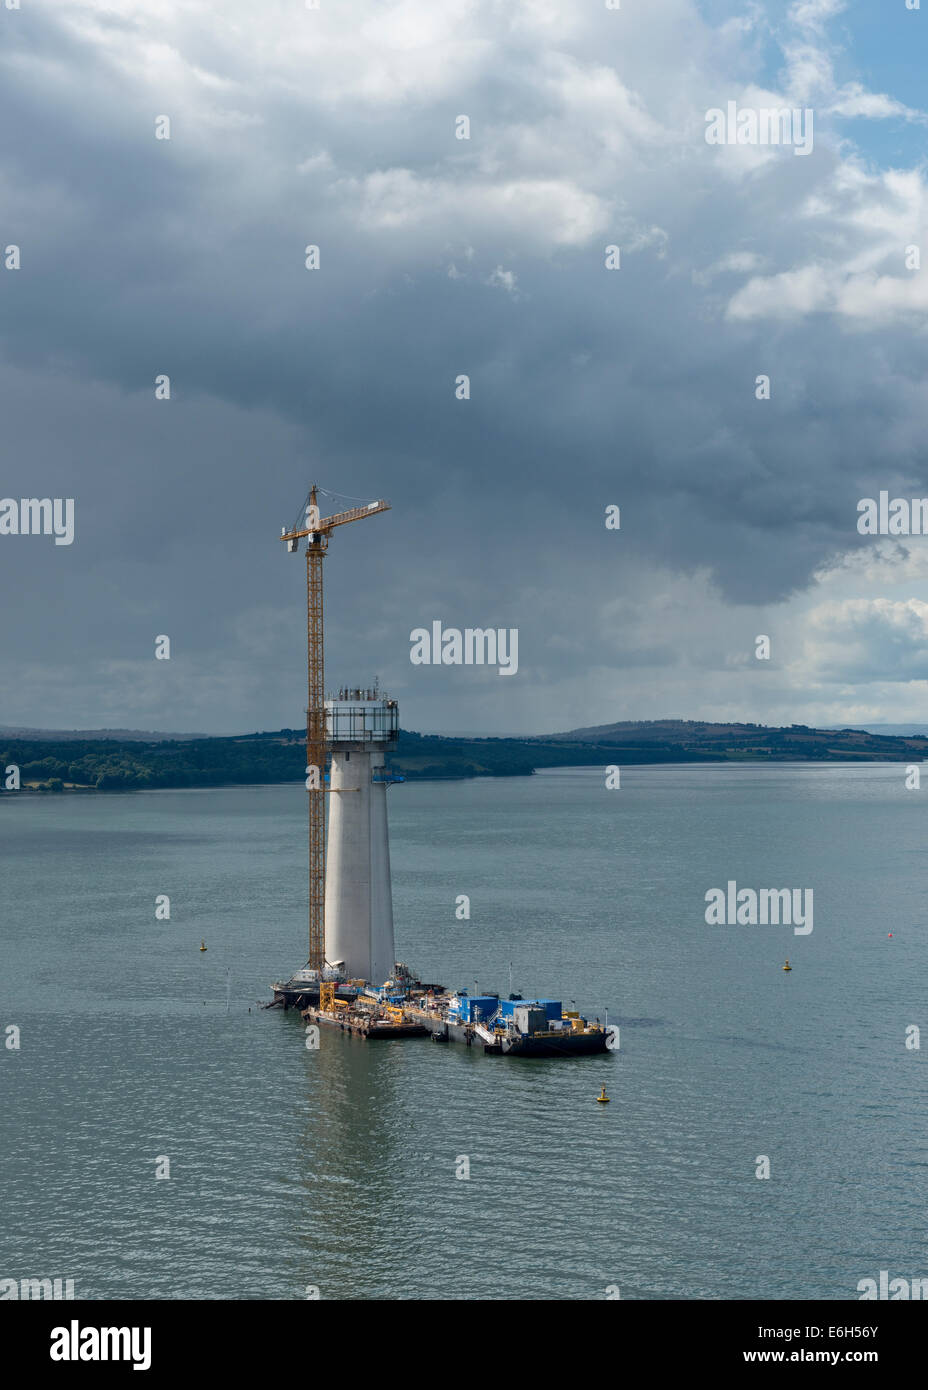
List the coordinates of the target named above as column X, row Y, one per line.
column 316, row 530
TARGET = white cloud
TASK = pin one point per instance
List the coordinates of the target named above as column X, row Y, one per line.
column 541, row 213
column 503, row 279
column 735, row 263
column 815, row 14
column 860, row 226
column 867, row 639
column 316, row 163
column 791, row 294
column 854, row 100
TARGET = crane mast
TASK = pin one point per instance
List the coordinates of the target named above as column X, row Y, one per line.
column 316, row 531
column 315, row 744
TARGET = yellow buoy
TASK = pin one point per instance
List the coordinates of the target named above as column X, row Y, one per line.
column 787, row 966
column 602, row 1098
column 203, row 946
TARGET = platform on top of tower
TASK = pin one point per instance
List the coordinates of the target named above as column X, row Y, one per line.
column 355, row 694
column 359, row 716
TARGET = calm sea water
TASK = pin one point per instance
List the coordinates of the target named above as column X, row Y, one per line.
column 336, row 1168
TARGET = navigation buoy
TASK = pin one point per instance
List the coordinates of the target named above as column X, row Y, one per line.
column 203, row 946
column 787, row 966
column 889, row 933
column 602, row 1098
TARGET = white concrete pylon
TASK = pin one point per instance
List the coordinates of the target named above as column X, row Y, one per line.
column 358, row 890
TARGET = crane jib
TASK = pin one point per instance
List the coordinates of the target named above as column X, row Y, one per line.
column 327, row 523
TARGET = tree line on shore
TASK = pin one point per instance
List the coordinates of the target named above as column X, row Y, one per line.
column 113, row 764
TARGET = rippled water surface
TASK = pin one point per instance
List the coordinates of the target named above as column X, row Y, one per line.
column 336, row 1168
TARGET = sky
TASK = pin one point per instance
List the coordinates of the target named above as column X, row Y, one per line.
column 590, row 387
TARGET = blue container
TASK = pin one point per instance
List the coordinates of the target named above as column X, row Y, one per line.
column 478, row 1008
column 481, row 1007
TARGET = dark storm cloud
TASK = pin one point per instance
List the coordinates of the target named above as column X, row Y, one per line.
column 438, row 258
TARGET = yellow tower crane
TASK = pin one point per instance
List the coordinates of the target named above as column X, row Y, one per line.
column 316, row 530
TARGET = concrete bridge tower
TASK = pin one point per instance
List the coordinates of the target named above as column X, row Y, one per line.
column 361, row 726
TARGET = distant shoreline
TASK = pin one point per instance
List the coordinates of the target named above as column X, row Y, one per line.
column 50, row 765
column 35, row 791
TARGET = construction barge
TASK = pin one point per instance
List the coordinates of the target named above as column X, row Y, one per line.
column 405, row 1008
column 351, row 736
column 513, row 1027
